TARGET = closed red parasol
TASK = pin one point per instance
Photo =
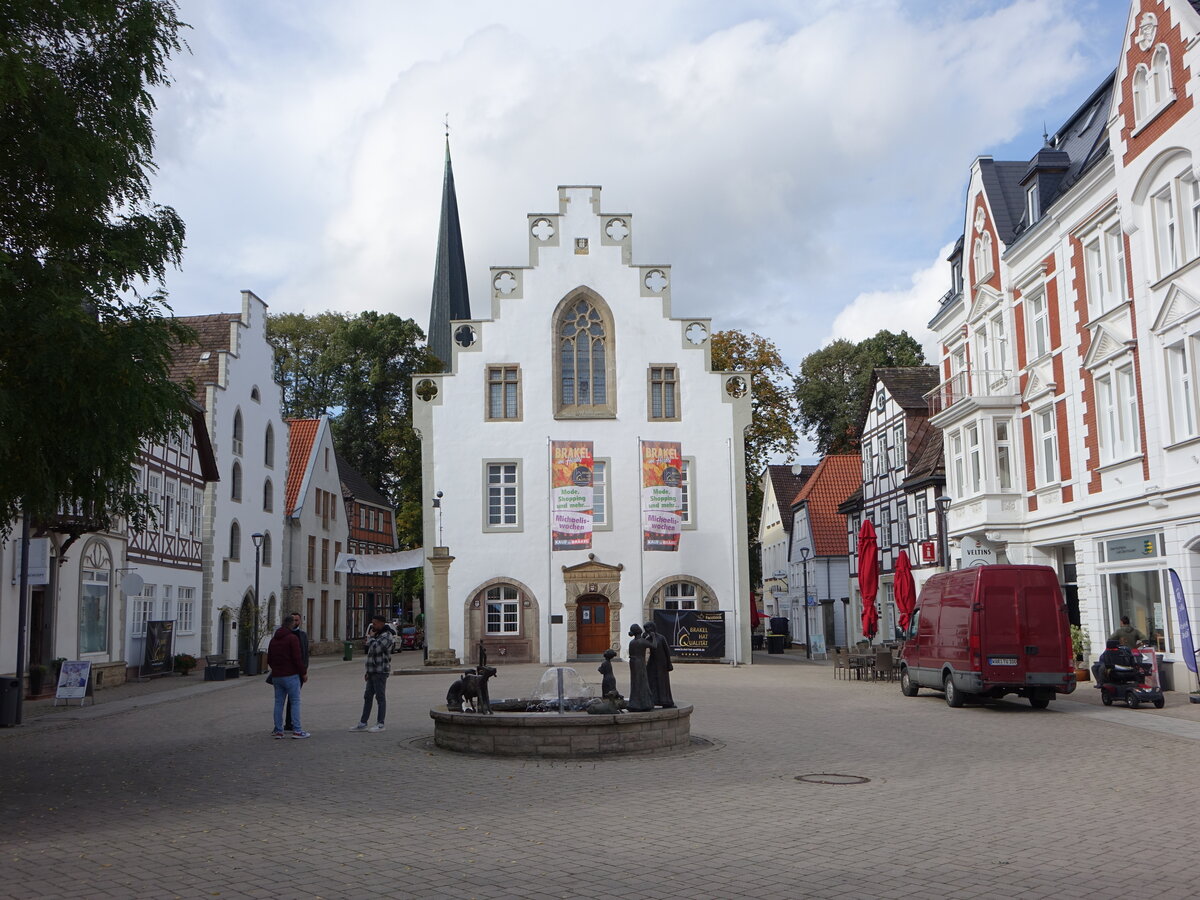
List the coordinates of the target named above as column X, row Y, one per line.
column 906, row 590
column 868, row 578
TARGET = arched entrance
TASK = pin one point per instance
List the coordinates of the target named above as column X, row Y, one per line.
column 592, row 627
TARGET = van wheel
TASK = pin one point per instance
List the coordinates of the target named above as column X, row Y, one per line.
column 907, row 687
column 1039, row 701
column 954, row 697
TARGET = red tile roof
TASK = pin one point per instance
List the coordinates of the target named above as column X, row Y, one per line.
column 835, row 478
column 301, row 435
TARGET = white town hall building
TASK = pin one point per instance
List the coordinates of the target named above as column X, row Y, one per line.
column 581, row 348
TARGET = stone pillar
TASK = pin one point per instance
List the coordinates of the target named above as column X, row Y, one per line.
column 440, row 651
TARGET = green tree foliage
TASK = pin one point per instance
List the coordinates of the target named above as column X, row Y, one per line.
column 85, row 346
column 772, row 430
column 833, row 381
column 358, row 370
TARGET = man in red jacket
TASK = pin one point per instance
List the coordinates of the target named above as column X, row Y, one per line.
column 289, row 670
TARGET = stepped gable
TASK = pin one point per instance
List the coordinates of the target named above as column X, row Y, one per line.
column 200, row 361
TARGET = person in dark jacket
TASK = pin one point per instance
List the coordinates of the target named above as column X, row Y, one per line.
column 303, row 635
column 288, row 671
column 1127, row 635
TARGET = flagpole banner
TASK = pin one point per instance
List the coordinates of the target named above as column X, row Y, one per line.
column 1185, row 625
column 662, row 495
column 571, row 466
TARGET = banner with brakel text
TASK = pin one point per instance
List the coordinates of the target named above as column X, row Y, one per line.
column 571, row 468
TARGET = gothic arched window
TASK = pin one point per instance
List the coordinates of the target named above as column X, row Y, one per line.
column 584, row 360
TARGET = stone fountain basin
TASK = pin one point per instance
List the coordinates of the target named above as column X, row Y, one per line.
column 568, row 735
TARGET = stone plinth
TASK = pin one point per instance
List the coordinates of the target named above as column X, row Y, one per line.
column 563, row 735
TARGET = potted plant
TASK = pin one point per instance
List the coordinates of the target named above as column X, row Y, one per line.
column 1081, row 647
column 37, row 679
column 184, row 663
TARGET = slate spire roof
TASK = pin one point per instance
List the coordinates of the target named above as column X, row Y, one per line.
column 450, row 300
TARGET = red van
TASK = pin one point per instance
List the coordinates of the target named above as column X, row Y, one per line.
column 990, row 631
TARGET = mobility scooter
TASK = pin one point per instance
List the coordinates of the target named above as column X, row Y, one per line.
column 1123, row 675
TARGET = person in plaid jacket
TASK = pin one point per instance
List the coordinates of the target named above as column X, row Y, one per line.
column 379, row 668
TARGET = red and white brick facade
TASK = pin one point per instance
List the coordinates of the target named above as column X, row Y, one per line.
column 1070, row 366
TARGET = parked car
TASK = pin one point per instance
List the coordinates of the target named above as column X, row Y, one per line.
column 990, row 631
column 411, row 638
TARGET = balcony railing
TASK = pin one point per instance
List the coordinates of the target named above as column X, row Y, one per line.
column 976, row 384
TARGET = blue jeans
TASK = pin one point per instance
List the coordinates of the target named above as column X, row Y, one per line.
column 287, row 687
column 376, row 688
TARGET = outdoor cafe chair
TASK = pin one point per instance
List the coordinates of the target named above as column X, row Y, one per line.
column 884, row 665
column 840, row 662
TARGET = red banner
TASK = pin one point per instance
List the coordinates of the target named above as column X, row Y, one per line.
column 662, row 495
column 571, row 494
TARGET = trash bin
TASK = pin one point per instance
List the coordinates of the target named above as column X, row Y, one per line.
column 10, row 693
column 775, row 642
column 782, row 627
column 1166, row 673
column 348, row 650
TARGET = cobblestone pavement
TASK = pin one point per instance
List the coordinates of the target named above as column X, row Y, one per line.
column 178, row 791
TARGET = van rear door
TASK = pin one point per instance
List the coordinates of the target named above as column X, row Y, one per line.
column 1043, row 640
column 1000, row 633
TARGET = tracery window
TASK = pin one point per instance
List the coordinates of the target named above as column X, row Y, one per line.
column 584, row 359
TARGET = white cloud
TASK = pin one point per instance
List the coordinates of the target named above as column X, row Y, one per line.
column 904, row 309
column 786, row 160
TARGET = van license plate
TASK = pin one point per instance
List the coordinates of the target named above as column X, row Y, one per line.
column 1002, row 660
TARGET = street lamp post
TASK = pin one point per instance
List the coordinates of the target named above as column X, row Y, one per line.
column 351, row 564
column 942, row 505
column 258, row 542
column 804, row 551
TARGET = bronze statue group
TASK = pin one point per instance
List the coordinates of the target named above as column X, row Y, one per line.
column 649, row 670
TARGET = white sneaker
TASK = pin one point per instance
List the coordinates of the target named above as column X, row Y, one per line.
column 361, row 726
column 378, row 727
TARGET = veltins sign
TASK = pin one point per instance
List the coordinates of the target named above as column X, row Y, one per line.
column 976, row 552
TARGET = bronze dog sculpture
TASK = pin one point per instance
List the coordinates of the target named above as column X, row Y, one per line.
column 472, row 687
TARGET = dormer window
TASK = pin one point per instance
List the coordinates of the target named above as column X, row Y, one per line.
column 956, row 282
column 1033, row 208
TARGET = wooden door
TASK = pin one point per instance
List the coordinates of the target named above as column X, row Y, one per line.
column 591, row 625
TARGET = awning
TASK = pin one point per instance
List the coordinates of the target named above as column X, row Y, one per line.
column 373, row 563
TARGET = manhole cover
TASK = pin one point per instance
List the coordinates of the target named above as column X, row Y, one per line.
column 832, row 778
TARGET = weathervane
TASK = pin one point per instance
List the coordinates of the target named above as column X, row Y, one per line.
column 446, row 122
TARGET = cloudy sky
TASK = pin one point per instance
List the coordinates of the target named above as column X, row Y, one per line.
column 801, row 165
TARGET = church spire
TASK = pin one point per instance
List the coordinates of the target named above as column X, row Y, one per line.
column 450, row 300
